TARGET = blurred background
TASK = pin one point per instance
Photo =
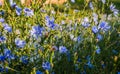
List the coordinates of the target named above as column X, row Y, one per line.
column 80, row 3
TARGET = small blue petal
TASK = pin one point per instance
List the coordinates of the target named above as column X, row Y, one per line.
column 104, row 26
column 91, row 5
column 46, row 65
column 18, row 10
column 36, row 31
column 7, row 27
column 98, row 51
column 99, row 37
column 20, row 43
column 2, row 58
column 85, row 22
column 2, row 20
column 94, row 29
column 62, row 49
column 2, row 38
column 28, row 12
column 50, row 22
column 38, row 72
column 118, row 72
column 24, row 59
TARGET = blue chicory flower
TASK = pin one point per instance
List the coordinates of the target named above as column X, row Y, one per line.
column 24, row 59
column 62, row 49
column 28, row 12
column 98, row 50
column 46, row 65
column 79, row 39
column 11, row 2
column 91, row 5
column 103, row 66
column 112, row 7
column 114, row 10
column 7, row 53
column 2, row 58
column 50, row 22
column 38, row 72
column 18, row 10
column 104, row 26
column 20, row 43
column 2, row 38
column 95, row 29
column 89, row 64
column 99, row 37
column 2, row 20
column 118, row 72
column 13, row 5
column 79, row 60
column 85, row 22
column 7, row 27
column 36, row 31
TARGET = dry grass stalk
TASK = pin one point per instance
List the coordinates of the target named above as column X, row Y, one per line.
column 55, row 1
column 28, row 2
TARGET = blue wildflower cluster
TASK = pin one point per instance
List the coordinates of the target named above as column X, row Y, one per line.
column 20, row 43
column 28, row 12
column 84, row 41
column 50, row 22
column 36, row 31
